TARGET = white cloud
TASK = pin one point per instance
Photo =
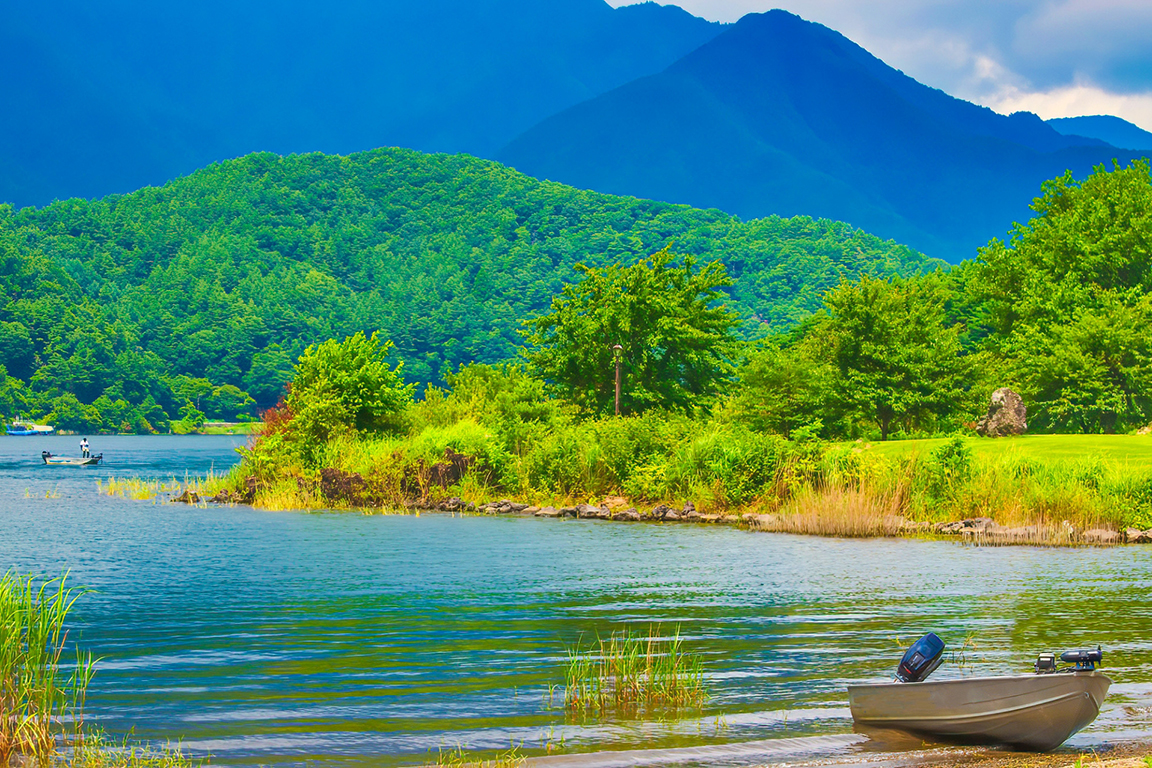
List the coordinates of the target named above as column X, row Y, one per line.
column 1077, row 99
column 1058, row 58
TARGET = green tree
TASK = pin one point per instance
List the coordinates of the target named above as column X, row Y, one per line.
column 345, row 385
column 898, row 363
column 783, row 388
column 229, row 403
column 1067, row 299
column 675, row 332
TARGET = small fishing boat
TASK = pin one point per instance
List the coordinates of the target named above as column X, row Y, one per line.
column 25, row 429
column 1036, row 712
column 71, row 461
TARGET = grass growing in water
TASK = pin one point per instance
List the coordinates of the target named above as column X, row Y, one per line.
column 458, row 758
column 41, row 701
column 629, row 674
column 42, row 695
column 95, row 750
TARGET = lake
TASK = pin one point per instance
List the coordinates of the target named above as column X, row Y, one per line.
column 285, row 638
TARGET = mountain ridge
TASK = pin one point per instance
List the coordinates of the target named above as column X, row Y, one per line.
column 130, row 94
column 780, row 115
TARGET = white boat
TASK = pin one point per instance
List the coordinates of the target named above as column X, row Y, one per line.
column 26, row 429
column 70, row 461
column 1031, row 712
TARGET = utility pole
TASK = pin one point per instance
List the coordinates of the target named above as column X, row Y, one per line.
column 617, row 352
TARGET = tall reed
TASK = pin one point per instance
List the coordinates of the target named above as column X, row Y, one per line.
column 629, row 674
column 41, row 701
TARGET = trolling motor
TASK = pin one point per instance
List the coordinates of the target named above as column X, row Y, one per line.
column 921, row 659
column 1082, row 661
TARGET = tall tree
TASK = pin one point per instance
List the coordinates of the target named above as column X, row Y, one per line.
column 1068, row 300
column 674, row 331
column 898, row 363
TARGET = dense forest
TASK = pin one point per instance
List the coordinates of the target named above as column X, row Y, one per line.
column 161, row 308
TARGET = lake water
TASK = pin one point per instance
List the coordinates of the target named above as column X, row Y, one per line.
column 288, row 638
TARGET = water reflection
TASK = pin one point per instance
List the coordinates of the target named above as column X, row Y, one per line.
column 263, row 637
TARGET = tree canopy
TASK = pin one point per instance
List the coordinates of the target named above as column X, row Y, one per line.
column 674, row 333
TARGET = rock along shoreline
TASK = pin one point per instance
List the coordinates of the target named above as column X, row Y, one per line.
column 617, row 509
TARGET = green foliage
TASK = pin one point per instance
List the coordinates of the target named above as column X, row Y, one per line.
column 345, row 385
column 227, row 275
column 898, row 361
column 676, row 338
column 1068, row 301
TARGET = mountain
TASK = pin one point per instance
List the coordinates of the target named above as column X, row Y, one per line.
column 109, row 97
column 778, row 115
column 227, row 274
column 1113, row 130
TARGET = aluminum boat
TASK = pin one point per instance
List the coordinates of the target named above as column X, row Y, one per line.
column 1031, row 712
column 1036, row 712
column 70, row 461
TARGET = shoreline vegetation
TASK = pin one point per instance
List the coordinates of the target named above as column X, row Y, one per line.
column 1051, row 490
column 42, row 697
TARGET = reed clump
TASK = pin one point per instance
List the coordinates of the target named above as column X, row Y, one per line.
column 457, row 757
column 41, row 696
column 42, row 693
column 96, row 750
column 135, row 488
column 630, row 674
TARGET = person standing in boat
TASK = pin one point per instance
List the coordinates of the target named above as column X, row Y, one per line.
column 84, row 447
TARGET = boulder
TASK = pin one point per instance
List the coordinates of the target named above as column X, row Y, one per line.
column 629, row 515
column 1006, row 415
column 587, row 511
column 970, row 526
column 568, row 512
column 348, row 487
column 547, row 512
column 1102, row 536
column 529, row 510
column 188, row 497
column 1137, row 536
column 661, row 511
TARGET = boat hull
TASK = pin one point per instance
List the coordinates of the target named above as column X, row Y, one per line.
column 1031, row 712
column 68, row 461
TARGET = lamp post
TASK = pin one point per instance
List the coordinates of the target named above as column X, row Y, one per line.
column 617, row 352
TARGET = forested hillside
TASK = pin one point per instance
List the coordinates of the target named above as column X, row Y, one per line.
column 176, row 301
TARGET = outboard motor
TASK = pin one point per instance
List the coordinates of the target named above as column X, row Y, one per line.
column 921, row 659
column 1084, row 660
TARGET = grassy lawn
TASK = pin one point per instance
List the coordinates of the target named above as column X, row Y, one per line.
column 229, row 428
column 1133, row 450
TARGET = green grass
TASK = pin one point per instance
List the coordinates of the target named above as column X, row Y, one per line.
column 1132, row 450
column 459, row 758
column 42, row 693
column 228, row 428
column 630, row 675
column 41, row 696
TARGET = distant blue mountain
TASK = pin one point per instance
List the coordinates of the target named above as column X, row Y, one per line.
column 1114, row 130
column 110, row 96
column 778, row 115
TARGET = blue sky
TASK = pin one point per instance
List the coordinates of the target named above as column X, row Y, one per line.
column 1057, row 58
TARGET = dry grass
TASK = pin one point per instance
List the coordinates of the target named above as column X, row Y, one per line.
column 834, row 510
